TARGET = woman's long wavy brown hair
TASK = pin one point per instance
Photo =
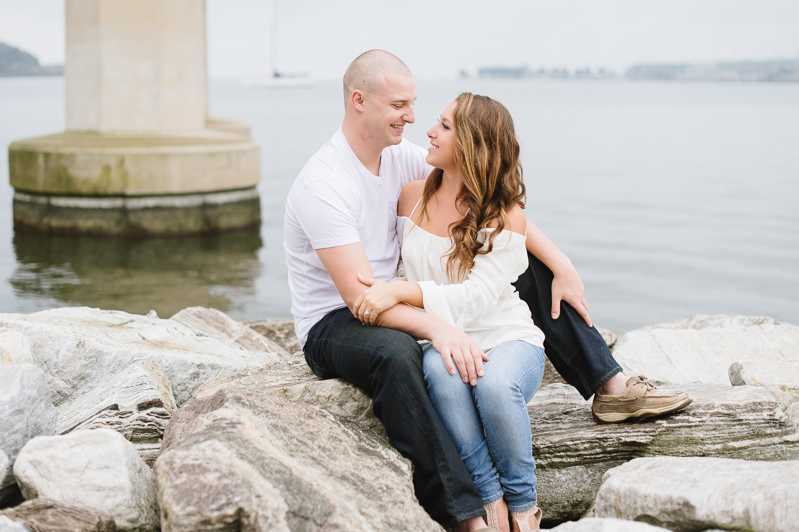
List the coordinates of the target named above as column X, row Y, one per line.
column 487, row 155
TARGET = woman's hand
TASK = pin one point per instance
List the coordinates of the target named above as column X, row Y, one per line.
column 460, row 353
column 379, row 297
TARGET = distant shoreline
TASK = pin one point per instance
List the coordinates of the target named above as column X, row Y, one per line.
column 771, row 71
column 18, row 63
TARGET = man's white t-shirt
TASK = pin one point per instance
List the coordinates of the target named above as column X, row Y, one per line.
column 336, row 201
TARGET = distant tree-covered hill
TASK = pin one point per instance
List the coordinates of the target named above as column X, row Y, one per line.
column 15, row 62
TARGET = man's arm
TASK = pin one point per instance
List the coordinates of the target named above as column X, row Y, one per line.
column 566, row 284
column 344, row 263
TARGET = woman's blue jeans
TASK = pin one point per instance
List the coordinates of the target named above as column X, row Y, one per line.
column 489, row 422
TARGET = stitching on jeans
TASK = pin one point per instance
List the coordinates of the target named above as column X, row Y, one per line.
column 573, row 367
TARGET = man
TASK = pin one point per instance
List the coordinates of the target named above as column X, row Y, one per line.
column 340, row 222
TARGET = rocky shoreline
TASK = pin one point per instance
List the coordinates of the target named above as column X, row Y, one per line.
column 114, row 421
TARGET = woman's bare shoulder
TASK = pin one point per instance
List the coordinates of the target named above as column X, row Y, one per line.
column 411, row 193
column 517, row 220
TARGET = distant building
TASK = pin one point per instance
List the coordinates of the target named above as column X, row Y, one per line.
column 523, row 72
column 776, row 70
column 505, row 72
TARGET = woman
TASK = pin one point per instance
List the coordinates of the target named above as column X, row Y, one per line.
column 462, row 236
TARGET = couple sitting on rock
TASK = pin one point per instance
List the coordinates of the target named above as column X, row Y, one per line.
column 387, row 244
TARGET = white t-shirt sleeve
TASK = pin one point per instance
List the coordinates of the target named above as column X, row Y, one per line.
column 461, row 303
column 328, row 215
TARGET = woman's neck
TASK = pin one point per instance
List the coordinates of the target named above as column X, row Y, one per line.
column 450, row 189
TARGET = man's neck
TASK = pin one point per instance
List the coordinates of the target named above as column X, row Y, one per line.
column 366, row 152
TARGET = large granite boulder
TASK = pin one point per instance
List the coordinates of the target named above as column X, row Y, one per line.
column 279, row 331
column 572, row 451
column 275, row 448
column 80, row 347
column 591, row 524
column 8, row 525
column 48, row 515
column 97, row 468
column 5, row 463
column 702, row 348
column 780, row 378
column 137, row 402
column 26, row 411
column 219, row 325
column 702, row 493
column 14, row 347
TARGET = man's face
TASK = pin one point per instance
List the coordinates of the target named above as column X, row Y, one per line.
column 387, row 108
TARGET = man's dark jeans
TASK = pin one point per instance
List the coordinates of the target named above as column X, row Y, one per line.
column 576, row 350
column 388, row 364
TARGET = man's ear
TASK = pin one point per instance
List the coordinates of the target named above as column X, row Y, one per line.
column 357, row 98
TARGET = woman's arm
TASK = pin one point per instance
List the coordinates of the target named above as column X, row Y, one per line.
column 462, row 302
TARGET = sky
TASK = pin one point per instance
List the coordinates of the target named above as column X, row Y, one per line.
column 438, row 39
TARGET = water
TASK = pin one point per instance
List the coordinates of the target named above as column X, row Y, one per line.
column 670, row 198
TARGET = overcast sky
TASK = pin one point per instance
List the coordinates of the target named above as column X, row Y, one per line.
column 437, row 39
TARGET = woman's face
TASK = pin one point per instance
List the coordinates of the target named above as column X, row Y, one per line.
column 441, row 152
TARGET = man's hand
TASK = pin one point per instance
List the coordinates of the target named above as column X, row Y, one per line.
column 567, row 286
column 458, row 347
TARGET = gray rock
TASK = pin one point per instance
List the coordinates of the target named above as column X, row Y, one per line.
column 7, row 525
column 572, row 451
column 702, row 348
column 98, row 468
column 275, row 448
column 219, row 325
column 702, row 493
column 48, row 515
column 79, row 347
column 137, row 402
column 279, row 331
column 606, row 525
column 14, row 347
column 26, row 411
column 551, row 375
column 780, row 378
column 5, row 463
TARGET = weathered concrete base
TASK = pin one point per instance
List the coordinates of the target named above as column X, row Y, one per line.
column 201, row 181
column 138, row 216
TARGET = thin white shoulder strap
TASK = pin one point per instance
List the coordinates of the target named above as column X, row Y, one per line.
column 414, row 208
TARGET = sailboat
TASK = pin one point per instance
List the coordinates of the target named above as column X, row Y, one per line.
column 279, row 79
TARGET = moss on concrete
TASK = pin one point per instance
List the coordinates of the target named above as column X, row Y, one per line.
column 101, row 165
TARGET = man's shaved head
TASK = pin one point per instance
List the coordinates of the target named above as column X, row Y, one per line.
column 364, row 73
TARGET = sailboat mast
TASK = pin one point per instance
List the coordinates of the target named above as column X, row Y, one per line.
column 274, row 39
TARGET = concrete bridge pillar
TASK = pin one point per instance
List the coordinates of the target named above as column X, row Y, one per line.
column 140, row 155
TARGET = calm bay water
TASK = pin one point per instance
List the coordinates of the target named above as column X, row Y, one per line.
column 670, row 198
